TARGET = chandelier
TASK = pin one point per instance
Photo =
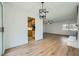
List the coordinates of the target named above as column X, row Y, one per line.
column 42, row 12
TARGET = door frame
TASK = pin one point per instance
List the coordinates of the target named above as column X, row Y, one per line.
column 2, row 27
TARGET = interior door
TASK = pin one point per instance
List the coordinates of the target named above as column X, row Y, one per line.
column 0, row 29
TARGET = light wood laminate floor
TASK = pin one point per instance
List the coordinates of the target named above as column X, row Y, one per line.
column 51, row 45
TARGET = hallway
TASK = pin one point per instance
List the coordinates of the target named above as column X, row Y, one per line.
column 51, row 45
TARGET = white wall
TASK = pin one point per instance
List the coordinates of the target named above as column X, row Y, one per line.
column 15, row 24
column 56, row 28
column 39, row 31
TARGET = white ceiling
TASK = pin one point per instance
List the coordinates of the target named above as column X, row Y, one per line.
column 57, row 10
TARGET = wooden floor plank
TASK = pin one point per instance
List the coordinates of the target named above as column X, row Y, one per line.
column 51, row 45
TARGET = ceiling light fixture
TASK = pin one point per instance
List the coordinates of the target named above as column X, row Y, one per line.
column 42, row 12
column 48, row 22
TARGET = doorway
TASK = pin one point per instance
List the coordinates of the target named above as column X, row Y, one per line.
column 31, row 29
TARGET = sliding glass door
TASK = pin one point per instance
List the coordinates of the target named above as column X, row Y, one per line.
column 0, row 29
